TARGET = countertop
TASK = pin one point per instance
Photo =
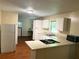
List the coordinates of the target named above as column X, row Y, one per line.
column 37, row 44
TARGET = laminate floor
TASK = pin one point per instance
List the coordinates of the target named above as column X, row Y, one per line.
column 22, row 51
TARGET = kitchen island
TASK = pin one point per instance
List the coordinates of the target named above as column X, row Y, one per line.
column 62, row 50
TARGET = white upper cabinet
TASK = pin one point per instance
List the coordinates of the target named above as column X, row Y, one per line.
column 39, row 27
column 45, row 24
column 64, row 25
column 60, row 23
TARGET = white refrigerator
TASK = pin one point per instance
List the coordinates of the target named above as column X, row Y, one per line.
column 8, row 36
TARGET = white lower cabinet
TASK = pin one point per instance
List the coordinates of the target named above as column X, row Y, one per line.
column 60, row 52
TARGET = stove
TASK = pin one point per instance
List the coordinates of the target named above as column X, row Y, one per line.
column 49, row 41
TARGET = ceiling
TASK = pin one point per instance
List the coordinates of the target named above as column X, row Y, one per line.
column 41, row 7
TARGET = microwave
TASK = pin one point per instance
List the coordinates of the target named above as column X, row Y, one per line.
column 73, row 38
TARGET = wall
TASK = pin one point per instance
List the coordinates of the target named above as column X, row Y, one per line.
column 74, row 16
column 26, row 24
column 9, row 17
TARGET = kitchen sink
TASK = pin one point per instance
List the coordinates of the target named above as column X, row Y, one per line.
column 49, row 41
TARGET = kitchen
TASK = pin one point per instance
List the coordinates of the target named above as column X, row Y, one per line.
column 42, row 48
column 55, row 29
column 52, row 31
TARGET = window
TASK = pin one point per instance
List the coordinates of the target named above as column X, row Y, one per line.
column 53, row 26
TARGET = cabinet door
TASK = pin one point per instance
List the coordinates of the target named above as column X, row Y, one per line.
column 60, row 24
column 37, row 24
column 46, row 24
column 64, row 25
column 37, row 29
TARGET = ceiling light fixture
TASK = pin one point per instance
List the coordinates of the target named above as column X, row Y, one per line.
column 30, row 10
